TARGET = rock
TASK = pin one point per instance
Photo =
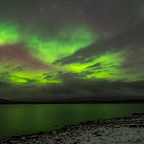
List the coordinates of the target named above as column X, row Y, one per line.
column 33, row 136
column 54, row 132
column 133, row 125
column 41, row 133
column 23, row 138
column 13, row 141
column 58, row 139
column 14, row 137
column 98, row 135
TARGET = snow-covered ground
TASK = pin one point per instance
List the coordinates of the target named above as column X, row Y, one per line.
column 128, row 130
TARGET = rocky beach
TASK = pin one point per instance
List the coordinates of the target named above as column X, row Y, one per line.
column 128, row 130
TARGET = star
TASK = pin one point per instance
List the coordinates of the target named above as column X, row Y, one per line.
column 80, row 12
column 41, row 9
column 53, row 7
column 29, row 24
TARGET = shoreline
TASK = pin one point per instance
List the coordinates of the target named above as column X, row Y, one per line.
column 116, row 130
column 88, row 101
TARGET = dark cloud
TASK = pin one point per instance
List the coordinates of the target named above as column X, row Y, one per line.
column 132, row 37
column 18, row 69
column 97, row 65
column 76, row 88
column 4, row 84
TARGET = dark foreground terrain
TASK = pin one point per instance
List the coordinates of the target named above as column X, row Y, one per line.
column 127, row 130
column 5, row 101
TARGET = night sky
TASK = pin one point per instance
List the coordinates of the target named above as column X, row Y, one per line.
column 71, row 49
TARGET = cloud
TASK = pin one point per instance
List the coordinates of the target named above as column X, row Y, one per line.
column 61, row 53
column 19, row 54
column 133, row 36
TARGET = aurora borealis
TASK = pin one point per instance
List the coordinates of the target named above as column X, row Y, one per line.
column 51, row 50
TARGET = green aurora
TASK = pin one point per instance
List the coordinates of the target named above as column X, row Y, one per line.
column 48, row 50
column 66, row 49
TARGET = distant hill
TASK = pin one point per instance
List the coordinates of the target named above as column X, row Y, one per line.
column 4, row 101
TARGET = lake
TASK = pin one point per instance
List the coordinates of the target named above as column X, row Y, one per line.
column 23, row 119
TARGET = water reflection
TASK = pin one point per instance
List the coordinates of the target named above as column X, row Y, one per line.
column 26, row 119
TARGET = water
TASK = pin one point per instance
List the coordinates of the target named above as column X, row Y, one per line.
column 27, row 119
